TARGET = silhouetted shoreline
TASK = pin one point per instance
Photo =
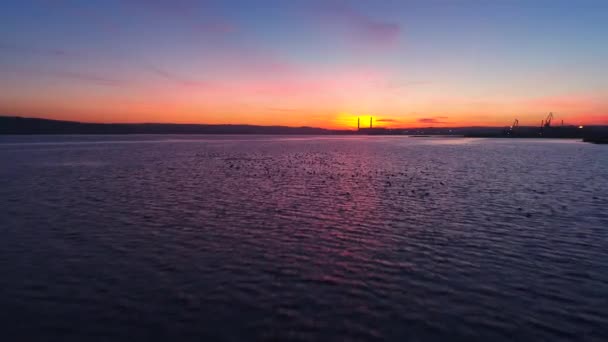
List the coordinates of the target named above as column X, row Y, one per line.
column 30, row 126
column 21, row 125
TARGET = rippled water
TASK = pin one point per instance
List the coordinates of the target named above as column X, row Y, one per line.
column 302, row 238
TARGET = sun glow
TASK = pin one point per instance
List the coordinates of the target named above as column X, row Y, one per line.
column 349, row 120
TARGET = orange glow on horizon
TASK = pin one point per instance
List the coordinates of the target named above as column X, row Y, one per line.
column 191, row 106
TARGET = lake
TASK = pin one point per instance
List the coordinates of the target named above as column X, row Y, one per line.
column 302, row 238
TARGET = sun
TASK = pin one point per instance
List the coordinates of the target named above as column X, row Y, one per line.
column 347, row 120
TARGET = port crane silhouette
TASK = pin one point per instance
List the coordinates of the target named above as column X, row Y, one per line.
column 547, row 122
column 515, row 124
column 511, row 129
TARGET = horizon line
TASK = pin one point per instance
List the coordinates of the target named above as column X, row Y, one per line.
column 354, row 129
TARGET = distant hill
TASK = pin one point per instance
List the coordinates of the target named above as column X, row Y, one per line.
column 20, row 125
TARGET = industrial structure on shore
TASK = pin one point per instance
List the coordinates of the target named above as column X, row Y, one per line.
column 371, row 130
column 546, row 130
column 359, row 123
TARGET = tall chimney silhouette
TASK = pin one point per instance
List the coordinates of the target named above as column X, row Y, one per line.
column 358, row 123
column 370, row 122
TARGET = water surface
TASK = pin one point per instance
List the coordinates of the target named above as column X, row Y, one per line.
column 302, row 238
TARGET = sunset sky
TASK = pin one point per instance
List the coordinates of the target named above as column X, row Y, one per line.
column 315, row 63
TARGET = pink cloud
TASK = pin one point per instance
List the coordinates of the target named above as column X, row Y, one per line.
column 433, row 120
column 304, row 83
column 375, row 31
column 359, row 27
column 293, row 83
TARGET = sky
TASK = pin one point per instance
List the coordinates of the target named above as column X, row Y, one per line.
column 322, row 63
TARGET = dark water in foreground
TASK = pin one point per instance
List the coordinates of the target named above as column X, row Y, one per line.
column 303, row 238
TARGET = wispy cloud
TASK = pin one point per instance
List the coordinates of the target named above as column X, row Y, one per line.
column 358, row 25
column 176, row 79
column 387, row 120
column 87, row 77
column 434, row 120
column 197, row 14
column 56, row 52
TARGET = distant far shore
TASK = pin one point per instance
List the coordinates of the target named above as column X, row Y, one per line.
column 16, row 125
column 21, row 125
